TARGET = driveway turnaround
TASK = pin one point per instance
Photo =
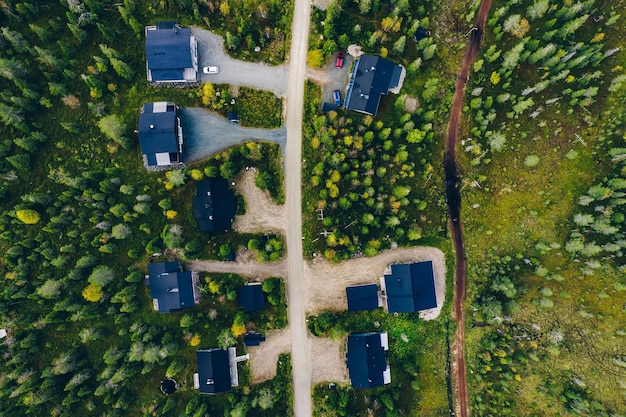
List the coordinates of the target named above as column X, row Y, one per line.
column 235, row 72
column 208, row 133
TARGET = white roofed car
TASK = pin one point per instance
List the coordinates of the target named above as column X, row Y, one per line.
column 210, row 70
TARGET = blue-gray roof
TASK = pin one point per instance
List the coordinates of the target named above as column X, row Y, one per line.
column 362, row 297
column 213, row 371
column 251, row 297
column 366, row 360
column 157, row 132
column 214, row 205
column 168, row 52
column 170, row 286
column 372, row 76
column 410, row 287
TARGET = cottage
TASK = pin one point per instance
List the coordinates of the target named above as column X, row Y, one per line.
column 365, row 358
column 217, row 370
column 214, row 205
column 251, row 297
column 372, row 76
column 161, row 135
column 409, row 288
column 171, row 288
column 171, row 54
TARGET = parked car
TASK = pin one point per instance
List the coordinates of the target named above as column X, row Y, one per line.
column 210, row 70
column 337, row 97
column 339, row 62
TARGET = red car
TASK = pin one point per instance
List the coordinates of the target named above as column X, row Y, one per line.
column 339, row 62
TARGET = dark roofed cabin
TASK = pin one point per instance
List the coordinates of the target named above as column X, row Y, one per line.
column 171, row 54
column 251, row 297
column 372, row 76
column 362, row 297
column 171, row 288
column 410, row 287
column 366, row 360
column 214, row 205
column 160, row 135
column 213, row 371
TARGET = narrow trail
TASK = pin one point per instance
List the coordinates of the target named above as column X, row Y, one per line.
column 453, row 193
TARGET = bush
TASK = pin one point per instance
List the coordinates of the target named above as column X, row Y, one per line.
column 113, row 127
column 315, row 58
column 93, row 293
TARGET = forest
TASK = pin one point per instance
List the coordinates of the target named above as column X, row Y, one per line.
column 81, row 218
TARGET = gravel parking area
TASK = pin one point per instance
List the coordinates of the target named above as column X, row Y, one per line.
column 207, row 133
column 331, row 78
column 235, row 72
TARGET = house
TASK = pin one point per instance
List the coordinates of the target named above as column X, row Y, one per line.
column 363, row 297
column 171, row 288
column 251, row 297
column 217, row 370
column 372, row 76
column 214, row 205
column 161, row 135
column 409, row 287
column 171, row 54
column 365, row 358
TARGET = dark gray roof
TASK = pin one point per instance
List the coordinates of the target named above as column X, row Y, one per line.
column 251, row 297
column 253, row 339
column 362, row 297
column 410, row 287
column 371, row 77
column 213, row 371
column 214, row 205
column 366, row 360
column 170, row 286
column 158, row 131
column 168, row 52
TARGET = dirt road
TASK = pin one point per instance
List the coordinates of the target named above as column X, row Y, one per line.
column 459, row 368
column 300, row 354
column 262, row 212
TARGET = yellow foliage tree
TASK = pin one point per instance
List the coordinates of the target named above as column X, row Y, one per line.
column 224, row 8
column 208, row 94
column 598, row 38
column 238, row 329
column 384, row 52
column 521, row 29
column 170, row 214
column 315, row 58
column 494, row 78
column 93, row 293
column 28, row 216
column 386, row 23
column 197, row 174
column 214, row 287
column 315, row 143
column 195, row 340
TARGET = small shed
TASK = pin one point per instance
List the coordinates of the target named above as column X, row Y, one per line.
column 362, row 297
column 253, row 339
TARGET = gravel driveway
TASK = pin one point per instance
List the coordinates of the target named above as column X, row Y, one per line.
column 208, row 133
column 235, row 72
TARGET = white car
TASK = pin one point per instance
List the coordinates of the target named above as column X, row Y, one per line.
column 210, row 70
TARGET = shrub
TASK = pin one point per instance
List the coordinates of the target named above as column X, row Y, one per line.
column 113, row 127
column 315, row 58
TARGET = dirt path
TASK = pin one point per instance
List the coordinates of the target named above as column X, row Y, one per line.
column 459, row 367
column 262, row 213
column 245, row 267
column 326, row 282
column 300, row 355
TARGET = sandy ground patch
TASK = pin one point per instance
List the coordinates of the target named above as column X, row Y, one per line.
column 325, row 282
column 321, row 4
column 262, row 213
column 410, row 104
column 328, row 357
column 264, row 358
